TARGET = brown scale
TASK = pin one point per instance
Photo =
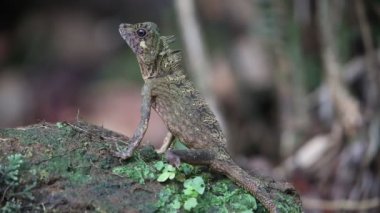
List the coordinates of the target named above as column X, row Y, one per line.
column 186, row 114
column 191, row 121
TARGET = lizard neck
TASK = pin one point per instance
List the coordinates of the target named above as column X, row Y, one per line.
column 168, row 62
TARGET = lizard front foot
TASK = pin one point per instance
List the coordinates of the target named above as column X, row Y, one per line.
column 123, row 152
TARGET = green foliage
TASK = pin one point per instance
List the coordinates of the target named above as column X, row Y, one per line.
column 192, row 189
column 194, row 186
column 222, row 196
column 142, row 169
column 190, row 203
column 230, row 198
column 138, row 171
column 168, row 172
column 286, row 204
column 195, row 196
column 10, row 206
column 13, row 188
column 169, row 200
column 11, row 171
column 188, row 188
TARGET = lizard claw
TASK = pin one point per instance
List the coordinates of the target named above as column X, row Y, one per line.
column 123, row 153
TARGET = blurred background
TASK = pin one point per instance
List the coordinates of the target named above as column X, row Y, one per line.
column 295, row 83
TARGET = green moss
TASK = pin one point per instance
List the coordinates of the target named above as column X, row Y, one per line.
column 71, row 168
column 193, row 189
column 287, row 204
column 138, row 171
column 187, row 187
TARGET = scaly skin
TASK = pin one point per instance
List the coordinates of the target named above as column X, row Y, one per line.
column 185, row 112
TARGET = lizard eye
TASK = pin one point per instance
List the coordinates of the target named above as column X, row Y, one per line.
column 141, row 32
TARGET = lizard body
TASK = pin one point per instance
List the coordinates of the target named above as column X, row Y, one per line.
column 185, row 112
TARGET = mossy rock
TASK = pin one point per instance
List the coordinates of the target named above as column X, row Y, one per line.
column 69, row 167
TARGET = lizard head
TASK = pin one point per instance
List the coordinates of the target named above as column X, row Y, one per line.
column 143, row 39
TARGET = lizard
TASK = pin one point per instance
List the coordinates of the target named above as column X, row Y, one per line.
column 185, row 113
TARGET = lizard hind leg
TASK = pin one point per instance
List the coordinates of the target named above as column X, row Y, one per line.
column 169, row 138
column 198, row 157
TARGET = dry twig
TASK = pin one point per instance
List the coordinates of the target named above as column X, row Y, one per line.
column 347, row 107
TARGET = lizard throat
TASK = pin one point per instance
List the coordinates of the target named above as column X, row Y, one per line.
column 147, row 70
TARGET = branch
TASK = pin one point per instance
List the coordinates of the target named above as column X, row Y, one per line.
column 347, row 107
column 370, row 57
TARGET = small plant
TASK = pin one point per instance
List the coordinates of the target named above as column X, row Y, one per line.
column 60, row 125
column 192, row 189
column 169, row 200
column 10, row 173
column 236, row 199
column 10, row 206
column 194, row 186
column 12, row 188
column 189, row 191
column 195, row 196
column 168, row 171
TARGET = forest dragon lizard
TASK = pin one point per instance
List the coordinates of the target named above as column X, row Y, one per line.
column 186, row 113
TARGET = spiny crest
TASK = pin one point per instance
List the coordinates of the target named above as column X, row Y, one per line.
column 173, row 57
column 166, row 40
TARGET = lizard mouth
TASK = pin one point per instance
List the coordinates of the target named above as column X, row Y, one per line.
column 126, row 32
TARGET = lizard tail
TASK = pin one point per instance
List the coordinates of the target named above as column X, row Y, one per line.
column 263, row 190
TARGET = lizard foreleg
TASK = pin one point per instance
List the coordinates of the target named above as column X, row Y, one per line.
column 137, row 137
column 192, row 156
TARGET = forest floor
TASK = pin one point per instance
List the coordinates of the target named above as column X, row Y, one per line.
column 69, row 167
